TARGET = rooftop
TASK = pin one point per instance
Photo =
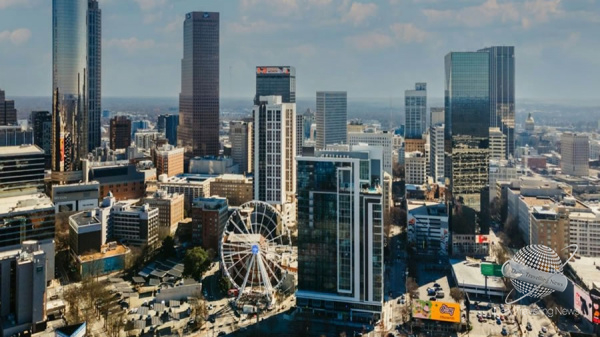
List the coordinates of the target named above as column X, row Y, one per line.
column 114, row 251
column 25, row 203
column 469, row 273
column 85, row 218
column 587, row 269
column 20, row 150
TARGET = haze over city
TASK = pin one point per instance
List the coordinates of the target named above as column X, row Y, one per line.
column 369, row 48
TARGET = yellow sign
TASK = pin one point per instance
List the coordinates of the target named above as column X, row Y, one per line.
column 435, row 310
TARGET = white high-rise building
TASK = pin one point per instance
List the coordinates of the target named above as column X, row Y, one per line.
column 275, row 151
column 497, row 144
column 331, row 117
column 415, row 105
column 574, row 150
column 436, row 152
column 383, row 139
column 415, row 168
column 584, row 231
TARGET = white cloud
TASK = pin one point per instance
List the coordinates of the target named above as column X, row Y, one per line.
column 370, row 41
column 249, row 25
column 152, row 17
column 173, row 25
column 130, row 45
column 491, row 11
column 17, row 36
column 278, row 7
column 359, row 13
column 407, row 32
column 147, row 5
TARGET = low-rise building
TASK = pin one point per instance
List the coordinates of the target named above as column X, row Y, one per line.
column 21, row 170
column 76, row 197
column 170, row 210
column 427, row 227
column 135, row 225
column 192, row 186
column 168, row 160
column 237, row 188
column 124, row 180
column 209, row 216
column 213, row 165
column 415, row 168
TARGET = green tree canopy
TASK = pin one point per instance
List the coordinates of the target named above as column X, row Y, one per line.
column 196, row 262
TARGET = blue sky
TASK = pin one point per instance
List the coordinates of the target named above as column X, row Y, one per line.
column 371, row 49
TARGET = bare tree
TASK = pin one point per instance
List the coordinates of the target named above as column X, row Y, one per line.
column 412, row 288
column 457, row 294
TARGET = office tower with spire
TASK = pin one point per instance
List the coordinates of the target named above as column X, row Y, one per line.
column 467, row 109
column 331, row 118
column 502, row 92
column 198, row 129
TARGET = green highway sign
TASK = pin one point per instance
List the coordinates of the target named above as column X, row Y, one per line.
column 491, row 269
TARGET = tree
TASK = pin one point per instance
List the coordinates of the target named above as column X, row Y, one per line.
column 199, row 311
column 195, row 262
column 457, row 294
column 168, row 247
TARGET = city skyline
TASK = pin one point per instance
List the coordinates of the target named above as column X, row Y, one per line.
column 388, row 44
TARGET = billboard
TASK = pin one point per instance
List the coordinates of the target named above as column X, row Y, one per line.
column 479, row 238
column 272, row 70
column 491, row 269
column 436, row 310
column 595, row 296
column 582, row 302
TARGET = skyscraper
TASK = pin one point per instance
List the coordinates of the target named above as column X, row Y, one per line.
column 276, row 81
column 168, row 124
column 340, row 233
column 120, row 132
column 502, row 92
column 241, row 138
column 41, row 123
column 94, row 86
column 415, row 116
column 467, row 138
column 76, row 41
column 8, row 113
column 331, row 118
column 275, row 150
column 436, row 116
column 199, row 99
column 574, row 150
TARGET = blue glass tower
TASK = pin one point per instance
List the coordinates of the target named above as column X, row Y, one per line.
column 467, row 111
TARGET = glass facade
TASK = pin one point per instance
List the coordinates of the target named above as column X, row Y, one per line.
column 340, row 233
column 76, row 41
column 331, row 118
column 467, row 106
column 415, row 116
column 502, row 92
column 199, row 99
column 94, row 85
column 276, row 81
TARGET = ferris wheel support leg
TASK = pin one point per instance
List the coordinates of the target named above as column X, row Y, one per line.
column 249, row 269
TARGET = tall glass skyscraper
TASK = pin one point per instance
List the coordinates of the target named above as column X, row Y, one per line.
column 340, row 233
column 502, row 92
column 467, row 107
column 69, row 78
column 415, row 107
column 199, row 99
column 331, row 118
column 94, row 73
column 276, row 81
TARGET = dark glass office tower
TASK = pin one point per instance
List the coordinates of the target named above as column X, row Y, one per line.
column 467, row 107
column 198, row 129
column 168, row 124
column 340, row 233
column 502, row 92
column 8, row 113
column 41, row 123
column 94, row 73
column 276, row 81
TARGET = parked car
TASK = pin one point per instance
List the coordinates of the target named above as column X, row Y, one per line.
column 504, row 331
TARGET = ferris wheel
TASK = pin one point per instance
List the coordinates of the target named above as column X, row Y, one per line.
column 254, row 246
